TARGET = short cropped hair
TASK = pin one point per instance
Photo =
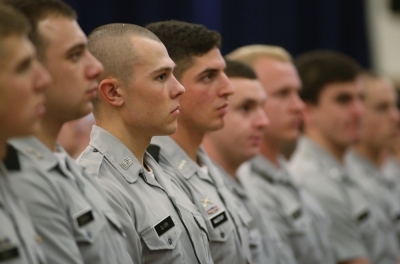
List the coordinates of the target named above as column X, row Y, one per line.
column 38, row 10
column 323, row 67
column 112, row 45
column 239, row 70
column 250, row 53
column 12, row 23
column 184, row 40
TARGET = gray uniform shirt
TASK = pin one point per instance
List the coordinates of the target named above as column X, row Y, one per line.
column 297, row 215
column 266, row 245
column 68, row 208
column 385, row 203
column 391, row 172
column 226, row 217
column 19, row 242
column 162, row 225
column 354, row 228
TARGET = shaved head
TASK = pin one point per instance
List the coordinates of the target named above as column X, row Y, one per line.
column 113, row 45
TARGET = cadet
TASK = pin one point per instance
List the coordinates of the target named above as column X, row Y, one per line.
column 391, row 166
column 66, row 205
column 22, row 83
column 379, row 129
column 139, row 98
column 238, row 141
column 297, row 215
column 332, row 91
column 200, row 69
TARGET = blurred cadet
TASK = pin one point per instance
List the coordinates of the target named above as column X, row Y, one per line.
column 75, row 135
column 22, row 83
column 138, row 99
column 67, row 207
column 391, row 166
column 296, row 214
column 238, row 141
column 379, row 129
column 200, row 69
column 333, row 91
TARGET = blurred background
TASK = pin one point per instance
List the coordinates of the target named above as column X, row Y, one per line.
column 367, row 30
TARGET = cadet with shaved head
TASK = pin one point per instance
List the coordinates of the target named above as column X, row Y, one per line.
column 138, row 99
column 22, row 83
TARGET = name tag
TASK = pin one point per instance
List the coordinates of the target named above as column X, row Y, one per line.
column 8, row 252
column 363, row 216
column 164, row 225
column 84, row 217
column 219, row 219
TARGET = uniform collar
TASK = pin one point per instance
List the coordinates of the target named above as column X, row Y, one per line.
column 233, row 184
column 120, row 157
column 364, row 166
column 176, row 156
column 325, row 161
column 269, row 171
column 36, row 151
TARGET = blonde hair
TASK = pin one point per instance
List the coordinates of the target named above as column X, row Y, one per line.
column 250, row 53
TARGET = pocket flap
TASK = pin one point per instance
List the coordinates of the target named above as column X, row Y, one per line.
column 220, row 227
column 156, row 239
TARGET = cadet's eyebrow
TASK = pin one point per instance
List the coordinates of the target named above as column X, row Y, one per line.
column 77, row 47
column 208, row 70
column 167, row 68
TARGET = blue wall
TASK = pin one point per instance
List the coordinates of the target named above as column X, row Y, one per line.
column 296, row 25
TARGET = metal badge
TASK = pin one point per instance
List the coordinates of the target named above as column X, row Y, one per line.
column 126, row 163
column 206, row 201
column 182, row 164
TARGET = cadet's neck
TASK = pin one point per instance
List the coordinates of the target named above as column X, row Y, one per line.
column 271, row 150
column 372, row 154
column 188, row 140
column 135, row 139
column 337, row 150
column 228, row 163
column 48, row 133
column 3, row 148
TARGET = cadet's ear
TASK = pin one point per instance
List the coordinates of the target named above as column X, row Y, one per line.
column 110, row 91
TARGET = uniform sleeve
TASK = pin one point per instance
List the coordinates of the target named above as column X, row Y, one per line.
column 345, row 234
column 119, row 202
column 46, row 206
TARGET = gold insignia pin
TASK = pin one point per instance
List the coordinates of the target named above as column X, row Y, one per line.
column 206, row 201
column 38, row 239
column 182, row 164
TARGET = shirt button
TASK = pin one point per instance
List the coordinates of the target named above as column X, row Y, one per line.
column 169, row 241
column 222, row 234
column 95, row 150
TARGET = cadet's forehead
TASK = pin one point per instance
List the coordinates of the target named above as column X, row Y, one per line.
column 61, row 31
column 247, row 89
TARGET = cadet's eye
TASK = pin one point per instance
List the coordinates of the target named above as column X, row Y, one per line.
column 162, row 77
column 209, row 77
column 75, row 56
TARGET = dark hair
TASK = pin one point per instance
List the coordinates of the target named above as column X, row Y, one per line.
column 239, row 69
column 38, row 10
column 184, row 40
column 12, row 22
column 320, row 68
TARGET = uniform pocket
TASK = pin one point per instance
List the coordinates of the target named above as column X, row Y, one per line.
column 219, row 227
column 156, row 239
column 87, row 225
